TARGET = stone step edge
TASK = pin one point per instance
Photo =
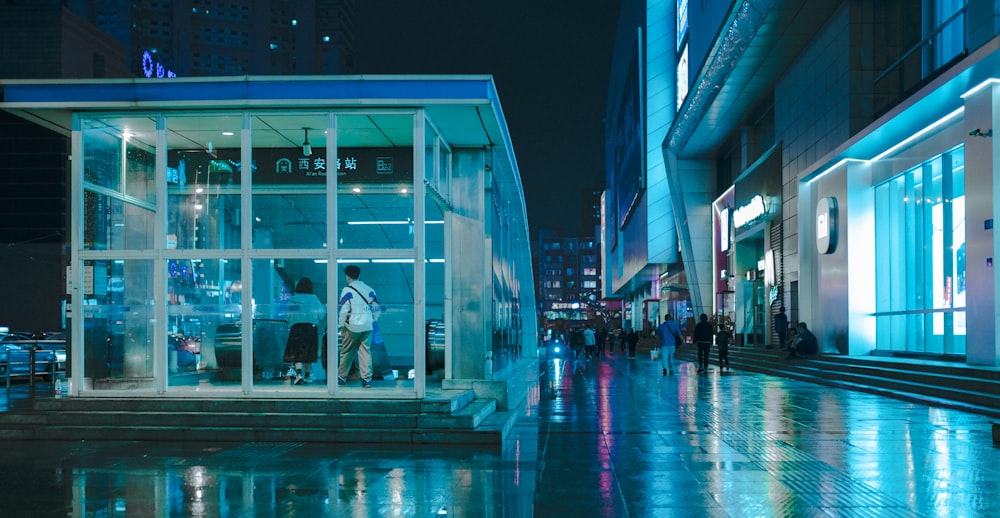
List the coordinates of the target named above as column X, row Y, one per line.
column 878, row 374
column 470, row 415
column 795, row 373
column 486, row 436
column 912, row 397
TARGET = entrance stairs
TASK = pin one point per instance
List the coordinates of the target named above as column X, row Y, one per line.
column 937, row 383
column 443, row 417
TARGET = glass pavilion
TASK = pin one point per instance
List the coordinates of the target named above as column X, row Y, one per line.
column 197, row 204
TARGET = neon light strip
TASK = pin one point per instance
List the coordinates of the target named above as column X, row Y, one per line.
column 943, row 120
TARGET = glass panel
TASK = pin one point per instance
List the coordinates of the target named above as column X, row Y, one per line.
column 431, row 144
column 203, row 177
column 289, row 180
column 288, row 292
column 920, row 267
column 203, row 333
column 434, row 295
column 392, row 361
column 375, row 181
column 118, row 325
column 119, row 173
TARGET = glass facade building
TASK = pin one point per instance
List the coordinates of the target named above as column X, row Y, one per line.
column 843, row 172
column 198, row 206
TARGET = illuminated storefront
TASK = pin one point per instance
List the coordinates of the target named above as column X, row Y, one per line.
column 198, row 205
column 896, row 232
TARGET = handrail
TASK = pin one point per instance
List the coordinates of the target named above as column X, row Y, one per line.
column 51, row 367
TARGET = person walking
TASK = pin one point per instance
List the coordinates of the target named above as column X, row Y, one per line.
column 589, row 341
column 305, row 312
column 632, row 339
column 670, row 335
column 722, row 340
column 703, row 334
column 781, row 327
column 359, row 308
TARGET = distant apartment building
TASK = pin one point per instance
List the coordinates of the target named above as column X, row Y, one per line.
column 569, row 280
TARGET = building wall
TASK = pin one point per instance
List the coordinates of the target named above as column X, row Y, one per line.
column 661, row 108
column 473, row 319
column 811, row 118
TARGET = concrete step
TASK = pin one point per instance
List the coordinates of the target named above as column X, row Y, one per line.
column 973, row 389
column 455, row 416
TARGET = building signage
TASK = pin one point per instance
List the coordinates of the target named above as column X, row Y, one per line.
column 826, row 225
column 288, row 166
column 682, row 21
column 151, row 68
column 750, row 213
column 682, row 77
column 724, row 230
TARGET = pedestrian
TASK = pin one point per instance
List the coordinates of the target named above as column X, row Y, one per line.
column 359, row 308
column 576, row 343
column 632, row 339
column 304, row 314
column 805, row 343
column 670, row 335
column 703, row 334
column 781, row 327
column 722, row 340
column 602, row 340
column 622, row 336
column 589, row 340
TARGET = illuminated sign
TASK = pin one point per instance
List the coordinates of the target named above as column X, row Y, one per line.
column 750, row 212
column 826, row 225
column 724, row 230
column 682, row 21
column 682, row 77
column 151, row 68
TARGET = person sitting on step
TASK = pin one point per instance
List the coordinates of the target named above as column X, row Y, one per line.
column 805, row 343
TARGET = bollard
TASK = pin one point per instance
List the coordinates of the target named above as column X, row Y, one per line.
column 31, row 369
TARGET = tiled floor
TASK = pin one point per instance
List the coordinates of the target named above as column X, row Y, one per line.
column 609, row 437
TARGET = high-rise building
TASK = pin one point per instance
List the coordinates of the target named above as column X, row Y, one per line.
column 216, row 38
column 41, row 39
column 567, row 270
column 61, row 39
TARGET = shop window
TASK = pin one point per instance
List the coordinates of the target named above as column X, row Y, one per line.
column 920, row 263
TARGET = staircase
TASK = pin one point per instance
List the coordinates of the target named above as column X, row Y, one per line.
column 944, row 384
column 443, row 417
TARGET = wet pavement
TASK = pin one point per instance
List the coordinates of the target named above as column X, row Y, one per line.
column 608, row 437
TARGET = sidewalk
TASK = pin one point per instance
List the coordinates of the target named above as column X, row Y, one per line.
column 608, row 437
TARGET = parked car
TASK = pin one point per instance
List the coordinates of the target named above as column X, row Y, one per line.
column 15, row 357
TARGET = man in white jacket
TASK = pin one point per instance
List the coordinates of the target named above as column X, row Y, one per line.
column 359, row 309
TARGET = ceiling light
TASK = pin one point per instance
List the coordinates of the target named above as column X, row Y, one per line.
column 306, row 148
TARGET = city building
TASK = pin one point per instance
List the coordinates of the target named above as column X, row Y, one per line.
column 197, row 206
column 41, row 40
column 569, row 282
column 56, row 39
column 834, row 158
column 217, row 38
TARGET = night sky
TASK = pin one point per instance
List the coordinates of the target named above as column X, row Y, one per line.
column 550, row 61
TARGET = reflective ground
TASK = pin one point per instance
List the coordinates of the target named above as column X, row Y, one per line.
column 609, row 437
